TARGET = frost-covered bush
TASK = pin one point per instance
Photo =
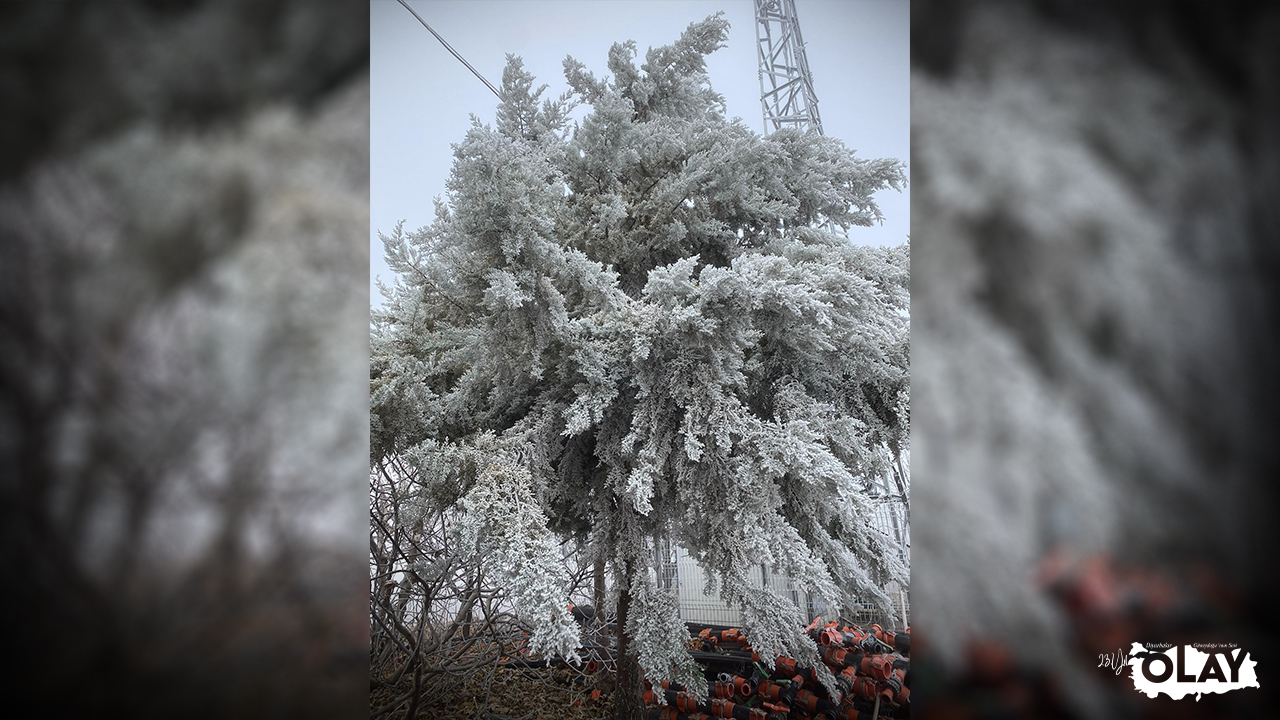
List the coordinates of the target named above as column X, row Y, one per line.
column 640, row 312
column 1094, row 225
column 183, row 197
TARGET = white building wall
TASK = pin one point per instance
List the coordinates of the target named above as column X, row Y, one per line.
column 680, row 570
column 697, row 606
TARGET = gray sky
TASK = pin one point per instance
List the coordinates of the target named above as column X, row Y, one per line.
column 422, row 98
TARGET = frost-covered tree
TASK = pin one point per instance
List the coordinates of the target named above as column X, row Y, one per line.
column 630, row 328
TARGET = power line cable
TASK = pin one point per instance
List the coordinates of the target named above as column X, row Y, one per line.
column 451, row 50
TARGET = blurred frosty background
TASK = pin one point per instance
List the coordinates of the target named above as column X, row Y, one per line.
column 183, row 353
column 1096, row 251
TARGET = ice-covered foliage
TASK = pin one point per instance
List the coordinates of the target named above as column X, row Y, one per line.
column 1084, row 311
column 656, row 630
column 641, row 312
column 502, row 516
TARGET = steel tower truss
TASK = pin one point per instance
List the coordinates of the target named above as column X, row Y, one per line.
column 786, row 86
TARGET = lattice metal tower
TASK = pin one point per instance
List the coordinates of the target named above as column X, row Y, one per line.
column 786, row 86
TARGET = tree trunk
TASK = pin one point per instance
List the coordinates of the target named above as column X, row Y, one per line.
column 628, row 697
column 599, row 588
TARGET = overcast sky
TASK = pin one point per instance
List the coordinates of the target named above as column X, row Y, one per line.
column 422, row 97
